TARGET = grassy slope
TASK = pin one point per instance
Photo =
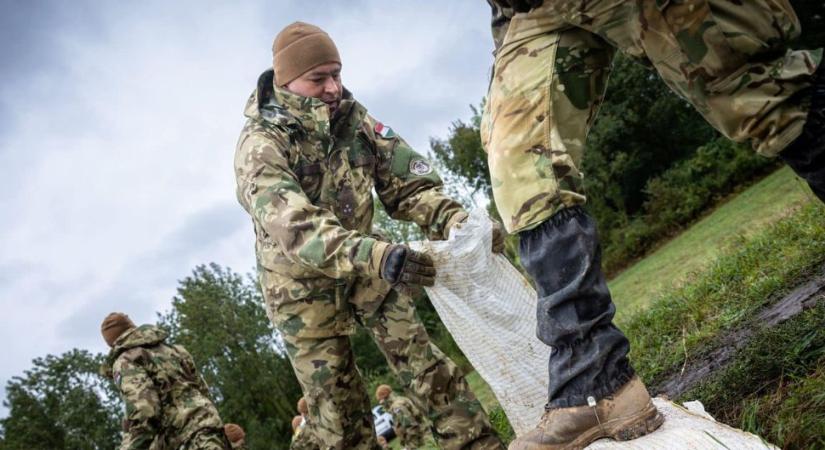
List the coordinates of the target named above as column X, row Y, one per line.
column 747, row 213
column 686, row 322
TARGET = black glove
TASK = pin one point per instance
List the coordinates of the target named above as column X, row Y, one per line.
column 402, row 265
column 519, row 5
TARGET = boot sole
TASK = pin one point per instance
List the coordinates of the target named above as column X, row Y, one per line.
column 623, row 429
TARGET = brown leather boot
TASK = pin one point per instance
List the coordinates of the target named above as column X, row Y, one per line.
column 625, row 415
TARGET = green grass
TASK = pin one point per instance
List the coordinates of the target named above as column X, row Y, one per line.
column 733, row 288
column 775, row 387
column 776, row 416
column 777, row 196
column 689, row 321
column 482, row 391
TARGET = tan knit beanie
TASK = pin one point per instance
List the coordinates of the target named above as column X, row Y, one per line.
column 233, row 432
column 302, row 406
column 298, row 48
column 114, row 325
column 382, row 392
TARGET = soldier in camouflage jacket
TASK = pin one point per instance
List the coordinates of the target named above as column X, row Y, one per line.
column 306, row 166
column 167, row 402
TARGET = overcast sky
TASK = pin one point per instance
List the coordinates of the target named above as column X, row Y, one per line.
column 118, row 123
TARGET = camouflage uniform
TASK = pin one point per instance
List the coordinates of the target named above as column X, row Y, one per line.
column 167, row 402
column 727, row 58
column 307, row 183
column 408, row 422
column 303, row 439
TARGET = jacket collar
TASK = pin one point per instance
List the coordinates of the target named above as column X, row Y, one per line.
column 278, row 106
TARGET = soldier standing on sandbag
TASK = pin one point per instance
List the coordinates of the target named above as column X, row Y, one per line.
column 306, row 164
column 727, row 58
column 407, row 421
column 167, row 402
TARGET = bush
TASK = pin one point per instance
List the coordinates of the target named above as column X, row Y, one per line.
column 680, row 195
column 502, row 426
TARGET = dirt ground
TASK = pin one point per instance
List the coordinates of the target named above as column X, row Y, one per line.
column 718, row 356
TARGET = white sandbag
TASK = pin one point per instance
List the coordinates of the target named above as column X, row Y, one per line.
column 687, row 430
column 490, row 309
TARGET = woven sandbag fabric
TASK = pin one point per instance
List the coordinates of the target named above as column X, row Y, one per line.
column 490, row 309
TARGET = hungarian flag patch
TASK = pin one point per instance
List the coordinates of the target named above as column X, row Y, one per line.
column 383, row 130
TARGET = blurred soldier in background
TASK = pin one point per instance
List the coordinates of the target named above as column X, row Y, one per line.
column 167, row 402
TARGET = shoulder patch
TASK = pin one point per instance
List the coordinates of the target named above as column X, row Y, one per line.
column 116, row 377
column 383, row 130
column 420, row 167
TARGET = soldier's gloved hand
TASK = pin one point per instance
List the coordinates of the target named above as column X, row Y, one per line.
column 406, row 268
column 498, row 237
column 519, row 5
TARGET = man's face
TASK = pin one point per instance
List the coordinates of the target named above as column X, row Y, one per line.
column 322, row 82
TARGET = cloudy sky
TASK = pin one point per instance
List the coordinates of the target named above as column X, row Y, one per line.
column 118, row 123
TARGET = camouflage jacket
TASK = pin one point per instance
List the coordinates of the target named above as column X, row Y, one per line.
column 307, row 182
column 408, row 422
column 166, row 400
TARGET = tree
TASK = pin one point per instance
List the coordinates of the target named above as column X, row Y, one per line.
column 218, row 316
column 62, row 403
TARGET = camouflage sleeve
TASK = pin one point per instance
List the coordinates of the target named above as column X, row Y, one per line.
column 143, row 408
column 408, row 185
column 409, row 422
column 309, row 235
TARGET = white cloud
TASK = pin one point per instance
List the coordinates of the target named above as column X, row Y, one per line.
column 116, row 159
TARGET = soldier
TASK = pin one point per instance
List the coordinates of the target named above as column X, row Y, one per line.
column 235, row 435
column 306, row 163
column 302, row 438
column 167, row 402
column 728, row 58
column 408, row 422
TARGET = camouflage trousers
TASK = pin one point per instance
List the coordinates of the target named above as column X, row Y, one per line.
column 727, row 58
column 339, row 407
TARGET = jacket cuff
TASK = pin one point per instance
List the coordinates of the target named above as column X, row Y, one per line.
column 457, row 218
column 368, row 259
